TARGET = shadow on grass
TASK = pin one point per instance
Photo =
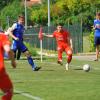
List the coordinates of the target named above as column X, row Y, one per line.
column 46, row 70
column 78, row 69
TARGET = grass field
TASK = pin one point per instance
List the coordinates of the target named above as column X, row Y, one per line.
column 52, row 82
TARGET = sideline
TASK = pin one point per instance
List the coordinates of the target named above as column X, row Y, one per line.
column 28, row 95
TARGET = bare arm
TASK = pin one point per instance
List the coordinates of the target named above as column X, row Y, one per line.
column 69, row 40
column 49, row 36
column 10, row 55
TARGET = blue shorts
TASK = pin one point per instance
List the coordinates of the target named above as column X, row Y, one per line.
column 18, row 45
column 97, row 41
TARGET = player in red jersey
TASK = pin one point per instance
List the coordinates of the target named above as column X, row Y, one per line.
column 5, row 82
column 63, row 44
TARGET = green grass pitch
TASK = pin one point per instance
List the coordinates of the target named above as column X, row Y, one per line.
column 52, row 82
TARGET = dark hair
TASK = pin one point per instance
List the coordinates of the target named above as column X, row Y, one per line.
column 21, row 16
column 98, row 13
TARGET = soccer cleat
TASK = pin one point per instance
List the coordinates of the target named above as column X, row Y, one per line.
column 60, row 62
column 67, row 66
column 36, row 68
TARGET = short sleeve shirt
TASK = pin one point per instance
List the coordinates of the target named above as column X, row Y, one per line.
column 61, row 37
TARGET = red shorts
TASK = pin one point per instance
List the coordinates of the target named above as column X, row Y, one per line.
column 64, row 47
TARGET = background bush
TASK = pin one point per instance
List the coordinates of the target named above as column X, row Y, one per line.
column 31, row 49
column 91, row 39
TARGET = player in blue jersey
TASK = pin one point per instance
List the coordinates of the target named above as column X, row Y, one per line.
column 16, row 32
column 97, row 34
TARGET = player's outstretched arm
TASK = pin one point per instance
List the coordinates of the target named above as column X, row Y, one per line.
column 49, row 36
column 10, row 55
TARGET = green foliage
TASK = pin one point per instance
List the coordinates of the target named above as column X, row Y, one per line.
column 12, row 11
column 4, row 3
column 61, row 10
column 91, row 39
column 39, row 16
column 31, row 49
column 67, row 9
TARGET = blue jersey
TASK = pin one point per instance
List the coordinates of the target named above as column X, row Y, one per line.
column 18, row 30
column 97, row 28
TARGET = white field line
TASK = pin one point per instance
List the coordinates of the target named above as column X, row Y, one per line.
column 28, row 95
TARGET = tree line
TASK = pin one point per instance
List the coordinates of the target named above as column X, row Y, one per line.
column 62, row 11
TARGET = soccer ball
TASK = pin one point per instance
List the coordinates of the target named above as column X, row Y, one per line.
column 86, row 67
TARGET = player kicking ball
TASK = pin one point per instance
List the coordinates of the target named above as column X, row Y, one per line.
column 16, row 32
column 63, row 44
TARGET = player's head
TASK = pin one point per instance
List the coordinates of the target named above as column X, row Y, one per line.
column 98, row 15
column 59, row 27
column 21, row 19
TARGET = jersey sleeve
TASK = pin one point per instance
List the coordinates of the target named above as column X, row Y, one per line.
column 14, row 26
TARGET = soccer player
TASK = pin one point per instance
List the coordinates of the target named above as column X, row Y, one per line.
column 16, row 32
column 5, row 82
column 97, row 34
column 63, row 44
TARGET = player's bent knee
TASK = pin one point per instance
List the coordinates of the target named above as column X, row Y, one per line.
column 69, row 53
column 27, row 54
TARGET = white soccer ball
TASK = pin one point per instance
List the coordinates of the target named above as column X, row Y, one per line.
column 86, row 67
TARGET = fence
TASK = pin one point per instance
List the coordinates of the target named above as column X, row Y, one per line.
column 75, row 28
column 31, row 36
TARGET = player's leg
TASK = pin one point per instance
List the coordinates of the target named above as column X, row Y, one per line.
column 97, row 52
column 18, row 54
column 14, row 47
column 97, row 43
column 30, row 61
column 24, row 49
column 68, row 51
column 6, row 87
column 14, row 53
column 60, row 50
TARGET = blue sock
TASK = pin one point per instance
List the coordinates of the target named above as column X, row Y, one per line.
column 30, row 61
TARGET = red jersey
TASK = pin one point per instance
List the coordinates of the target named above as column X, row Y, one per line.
column 61, row 37
column 3, row 41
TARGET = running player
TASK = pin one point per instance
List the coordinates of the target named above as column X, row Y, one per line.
column 5, row 82
column 16, row 32
column 97, row 34
column 63, row 44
